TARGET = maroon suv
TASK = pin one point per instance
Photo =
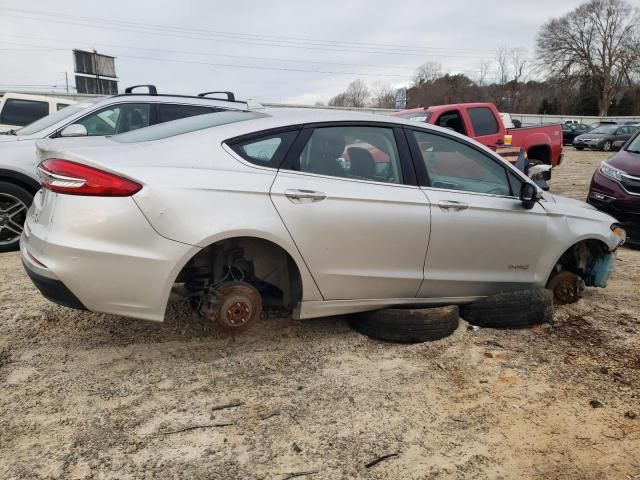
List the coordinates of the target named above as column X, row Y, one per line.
column 615, row 188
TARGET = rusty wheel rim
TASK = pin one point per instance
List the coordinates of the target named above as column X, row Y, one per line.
column 567, row 288
column 239, row 307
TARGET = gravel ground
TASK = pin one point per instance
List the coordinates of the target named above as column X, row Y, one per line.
column 86, row 395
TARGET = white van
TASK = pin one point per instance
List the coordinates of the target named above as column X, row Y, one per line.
column 20, row 109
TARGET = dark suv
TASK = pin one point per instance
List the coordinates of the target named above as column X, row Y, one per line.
column 615, row 188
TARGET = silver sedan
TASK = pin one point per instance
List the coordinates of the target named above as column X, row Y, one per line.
column 321, row 212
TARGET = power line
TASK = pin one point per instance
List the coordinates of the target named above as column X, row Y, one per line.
column 228, row 65
column 262, row 43
column 261, row 37
column 128, row 47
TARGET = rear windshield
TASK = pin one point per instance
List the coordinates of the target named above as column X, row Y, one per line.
column 186, row 125
column 416, row 117
column 49, row 120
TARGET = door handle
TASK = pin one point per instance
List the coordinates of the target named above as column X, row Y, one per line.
column 447, row 204
column 305, row 196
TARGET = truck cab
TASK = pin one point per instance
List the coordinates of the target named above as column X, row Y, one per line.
column 483, row 123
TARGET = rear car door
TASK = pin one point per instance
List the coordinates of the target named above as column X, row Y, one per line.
column 486, row 128
column 482, row 239
column 348, row 196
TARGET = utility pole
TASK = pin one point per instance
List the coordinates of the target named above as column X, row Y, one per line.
column 95, row 68
column 66, row 80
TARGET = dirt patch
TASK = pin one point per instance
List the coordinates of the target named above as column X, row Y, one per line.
column 86, row 395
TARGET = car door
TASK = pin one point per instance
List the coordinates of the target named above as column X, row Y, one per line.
column 167, row 112
column 117, row 118
column 482, row 239
column 486, row 128
column 348, row 196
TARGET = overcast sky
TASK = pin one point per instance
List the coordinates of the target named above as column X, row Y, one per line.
column 296, row 51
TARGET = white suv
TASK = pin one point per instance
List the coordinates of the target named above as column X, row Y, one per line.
column 324, row 212
column 95, row 117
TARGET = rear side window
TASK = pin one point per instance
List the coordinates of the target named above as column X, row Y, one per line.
column 483, row 121
column 60, row 106
column 169, row 112
column 267, row 150
column 23, row 112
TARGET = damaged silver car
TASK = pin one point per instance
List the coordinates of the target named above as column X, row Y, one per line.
column 321, row 212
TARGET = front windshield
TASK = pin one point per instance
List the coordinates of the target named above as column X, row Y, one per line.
column 634, row 144
column 607, row 129
column 54, row 118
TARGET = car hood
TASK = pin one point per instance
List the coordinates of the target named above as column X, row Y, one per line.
column 593, row 135
column 8, row 138
column 559, row 205
column 627, row 162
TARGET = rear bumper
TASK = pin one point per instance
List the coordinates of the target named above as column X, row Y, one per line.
column 54, row 290
column 101, row 255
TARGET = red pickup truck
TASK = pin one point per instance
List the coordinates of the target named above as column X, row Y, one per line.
column 482, row 122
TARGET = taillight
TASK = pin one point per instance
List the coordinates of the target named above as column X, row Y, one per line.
column 63, row 176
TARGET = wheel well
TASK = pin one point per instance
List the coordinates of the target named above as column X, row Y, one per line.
column 579, row 258
column 261, row 263
column 540, row 152
column 19, row 180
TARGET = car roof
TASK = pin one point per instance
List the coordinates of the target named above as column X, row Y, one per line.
column 182, row 99
column 37, row 98
column 277, row 118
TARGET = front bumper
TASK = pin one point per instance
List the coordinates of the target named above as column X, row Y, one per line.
column 608, row 196
column 593, row 144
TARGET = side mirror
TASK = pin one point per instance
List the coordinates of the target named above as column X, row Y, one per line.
column 74, row 130
column 529, row 195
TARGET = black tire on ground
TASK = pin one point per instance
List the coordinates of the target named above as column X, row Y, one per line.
column 510, row 309
column 579, row 148
column 14, row 202
column 408, row 325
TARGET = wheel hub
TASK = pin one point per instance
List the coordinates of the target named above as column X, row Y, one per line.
column 238, row 313
column 4, row 219
column 566, row 291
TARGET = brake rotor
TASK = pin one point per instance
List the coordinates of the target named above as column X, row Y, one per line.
column 239, row 306
column 567, row 287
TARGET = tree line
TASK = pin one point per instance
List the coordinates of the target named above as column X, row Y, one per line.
column 587, row 62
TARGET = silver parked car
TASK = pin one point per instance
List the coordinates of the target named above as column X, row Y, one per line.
column 323, row 212
column 93, row 117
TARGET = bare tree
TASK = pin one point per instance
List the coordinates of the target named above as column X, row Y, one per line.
column 502, row 59
column 382, row 96
column 356, row 95
column 427, row 73
column 482, row 73
column 339, row 100
column 518, row 62
column 599, row 39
